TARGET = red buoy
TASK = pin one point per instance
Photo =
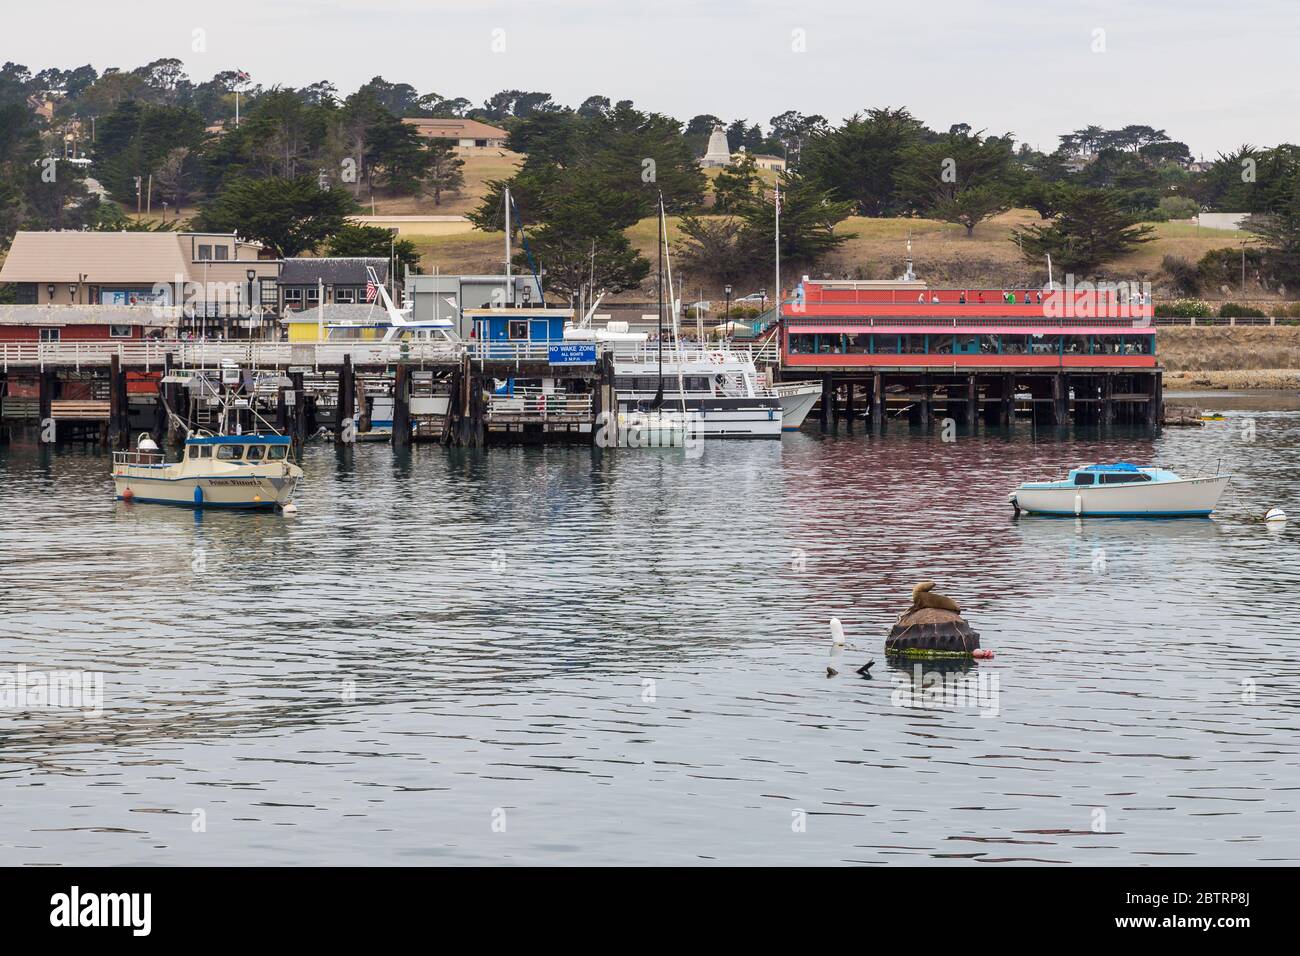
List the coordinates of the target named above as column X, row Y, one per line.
column 982, row 654
column 127, row 494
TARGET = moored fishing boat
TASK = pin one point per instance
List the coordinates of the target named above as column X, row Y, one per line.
column 228, row 467
column 216, row 471
column 1121, row 490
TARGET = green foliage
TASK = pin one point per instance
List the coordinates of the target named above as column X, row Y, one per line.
column 1220, row 268
column 712, row 247
column 735, row 185
column 1183, row 309
column 859, row 162
column 959, row 178
column 809, row 215
column 1090, row 229
column 288, row 216
column 1235, row 310
column 136, row 140
column 372, row 242
column 1183, row 275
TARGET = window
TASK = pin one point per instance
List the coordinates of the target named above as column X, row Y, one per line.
column 192, row 452
column 119, row 331
column 254, row 453
column 1083, row 479
column 1122, row 478
column 205, row 253
column 345, row 295
column 230, row 452
column 277, row 452
column 25, row 293
column 205, row 451
column 221, row 253
column 518, row 329
column 49, row 335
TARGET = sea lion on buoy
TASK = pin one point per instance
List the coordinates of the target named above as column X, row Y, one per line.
column 923, row 596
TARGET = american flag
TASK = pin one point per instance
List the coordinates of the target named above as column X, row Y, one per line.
column 371, row 291
column 242, row 76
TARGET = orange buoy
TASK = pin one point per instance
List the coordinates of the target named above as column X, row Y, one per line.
column 982, row 654
column 127, row 494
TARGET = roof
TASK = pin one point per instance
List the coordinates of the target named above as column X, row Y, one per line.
column 51, row 316
column 455, row 128
column 332, row 270
column 101, row 257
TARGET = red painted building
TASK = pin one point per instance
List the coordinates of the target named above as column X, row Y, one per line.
column 844, row 325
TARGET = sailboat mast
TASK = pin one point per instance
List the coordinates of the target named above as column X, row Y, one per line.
column 659, row 392
column 508, row 296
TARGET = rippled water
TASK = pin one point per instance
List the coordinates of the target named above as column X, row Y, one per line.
column 562, row 656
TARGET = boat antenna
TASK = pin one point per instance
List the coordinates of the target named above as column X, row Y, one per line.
column 658, row 401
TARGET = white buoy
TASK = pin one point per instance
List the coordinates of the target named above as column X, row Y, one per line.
column 837, row 645
column 1275, row 514
column 289, row 509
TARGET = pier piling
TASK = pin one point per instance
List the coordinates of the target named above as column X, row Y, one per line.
column 402, row 407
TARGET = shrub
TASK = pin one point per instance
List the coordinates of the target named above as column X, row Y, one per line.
column 1183, row 275
column 1178, row 207
column 1184, row 309
column 1235, row 310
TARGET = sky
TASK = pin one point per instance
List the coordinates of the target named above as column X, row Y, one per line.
column 1212, row 74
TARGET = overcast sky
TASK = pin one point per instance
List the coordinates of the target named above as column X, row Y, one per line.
column 1212, row 73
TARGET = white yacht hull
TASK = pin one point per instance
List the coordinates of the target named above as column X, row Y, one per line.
column 797, row 400
column 1185, row 497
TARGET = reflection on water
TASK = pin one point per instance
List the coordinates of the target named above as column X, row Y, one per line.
column 559, row 655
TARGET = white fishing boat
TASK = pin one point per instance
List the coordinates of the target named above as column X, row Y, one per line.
column 223, row 468
column 1121, row 490
column 797, row 400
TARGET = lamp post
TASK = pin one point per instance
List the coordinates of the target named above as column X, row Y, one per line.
column 72, row 293
column 727, row 291
column 252, row 276
column 50, row 291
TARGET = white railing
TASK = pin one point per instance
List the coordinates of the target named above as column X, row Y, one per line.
column 536, row 404
column 137, row 458
column 152, row 354
column 758, row 353
column 508, row 351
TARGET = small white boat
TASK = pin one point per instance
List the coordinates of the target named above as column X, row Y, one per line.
column 797, row 400
column 659, row 429
column 1121, row 490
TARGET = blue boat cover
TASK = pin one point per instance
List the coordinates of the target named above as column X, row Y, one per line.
column 1117, row 466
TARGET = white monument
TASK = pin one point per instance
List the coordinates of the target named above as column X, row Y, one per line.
column 718, row 153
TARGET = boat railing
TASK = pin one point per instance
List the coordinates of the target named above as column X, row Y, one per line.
column 137, row 458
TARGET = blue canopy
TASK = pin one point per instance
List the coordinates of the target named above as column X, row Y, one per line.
column 1117, row 466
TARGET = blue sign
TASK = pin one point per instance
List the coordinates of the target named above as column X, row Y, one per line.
column 578, row 354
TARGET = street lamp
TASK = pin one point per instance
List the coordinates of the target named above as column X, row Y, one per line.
column 72, row 293
column 252, row 275
column 727, row 291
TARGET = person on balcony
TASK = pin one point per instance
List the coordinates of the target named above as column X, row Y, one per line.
column 961, row 299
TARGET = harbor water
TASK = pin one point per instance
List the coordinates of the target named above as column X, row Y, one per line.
column 563, row 655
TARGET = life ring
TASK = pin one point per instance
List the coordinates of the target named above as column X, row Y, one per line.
column 717, row 358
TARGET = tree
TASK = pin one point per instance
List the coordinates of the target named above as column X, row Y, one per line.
column 1090, row 229
column 858, row 162
column 288, row 216
column 1279, row 229
column 809, row 215
column 959, row 177
column 442, row 170
column 713, row 247
column 735, row 185
column 373, row 242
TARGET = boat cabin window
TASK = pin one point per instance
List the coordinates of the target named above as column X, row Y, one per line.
column 205, row 451
column 254, row 453
column 277, row 452
column 518, row 328
column 1120, row 478
column 199, row 451
column 1083, row 479
column 230, row 452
